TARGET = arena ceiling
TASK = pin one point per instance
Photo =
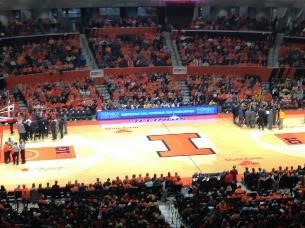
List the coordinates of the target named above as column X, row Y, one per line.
column 47, row 4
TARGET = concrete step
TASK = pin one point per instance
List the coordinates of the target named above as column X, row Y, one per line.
column 170, row 214
column 185, row 89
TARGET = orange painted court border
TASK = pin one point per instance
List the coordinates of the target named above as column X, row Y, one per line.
column 292, row 138
column 48, row 153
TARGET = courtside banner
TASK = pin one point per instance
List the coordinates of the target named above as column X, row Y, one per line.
column 97, row 73
column 179, row 70
column 156, row 112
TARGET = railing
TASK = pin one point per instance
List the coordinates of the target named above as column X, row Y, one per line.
column 39, row 35
column 263, row 72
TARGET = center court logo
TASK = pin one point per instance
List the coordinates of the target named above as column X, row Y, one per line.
column 180, row 145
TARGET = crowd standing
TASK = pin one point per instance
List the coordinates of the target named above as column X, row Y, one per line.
column 250, row 113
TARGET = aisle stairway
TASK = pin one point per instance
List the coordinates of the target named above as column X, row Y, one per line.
column 172, row 47
column 87, row 52
column 22, row 106
column 266, row 86
column 185, row 91
column 170, row 213
column 273, row 55
column 103, row 91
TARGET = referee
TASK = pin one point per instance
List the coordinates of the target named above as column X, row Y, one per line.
column 22, row 151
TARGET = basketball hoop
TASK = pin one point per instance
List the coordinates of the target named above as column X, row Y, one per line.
column 7, row 114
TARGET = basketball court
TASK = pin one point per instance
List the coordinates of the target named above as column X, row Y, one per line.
column 185, row 145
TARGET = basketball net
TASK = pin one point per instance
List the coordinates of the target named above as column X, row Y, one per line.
column 7, row 113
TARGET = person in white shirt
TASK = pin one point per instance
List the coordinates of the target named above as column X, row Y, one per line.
column 15, row 154
column 22, row 151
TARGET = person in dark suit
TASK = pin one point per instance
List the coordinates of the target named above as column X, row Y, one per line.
column 235, row 109
column 261, row 118
column 61, row 127
column 34, row 129
column 270, row 118
column 11, row 122
column 45, row 127
column 253, row 119
column 53, row 129
column 40, row 128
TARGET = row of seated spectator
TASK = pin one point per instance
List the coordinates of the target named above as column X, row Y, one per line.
column 231, row 22
column 207, row 49
column 227, row 90
column 143, row 91
column 213, row 200
column 40, row 54
column 119, row 22
column 160, row 90
column 130, row 51
column 289, row 91
column 31, row 27
column 223, row 90
column 75, row 94
column 216, row 201
column 262, row 181
column 297, row 28
column 292, row 55
column 131, row 202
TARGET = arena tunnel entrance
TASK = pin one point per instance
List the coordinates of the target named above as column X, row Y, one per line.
column 179, row 17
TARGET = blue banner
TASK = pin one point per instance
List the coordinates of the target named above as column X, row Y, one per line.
column 156, row 112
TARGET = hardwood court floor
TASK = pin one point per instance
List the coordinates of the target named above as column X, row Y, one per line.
column 109, row 150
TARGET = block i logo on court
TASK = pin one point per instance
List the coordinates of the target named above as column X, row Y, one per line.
column 180, row 145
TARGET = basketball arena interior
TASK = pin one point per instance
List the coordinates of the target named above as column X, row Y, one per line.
column 152, row 113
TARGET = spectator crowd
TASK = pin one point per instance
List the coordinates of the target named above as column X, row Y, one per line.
column 292, row 55
column 227, row 91
column 121, row 22
column 265, row 199
column 297, row 28
column 78, row 93
column 42, row 54
column 232, row 22
column 143, row 91
column 206, row 50
column 131, row 202
column 32, row 26
column 130, row 51
column 226, row 199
